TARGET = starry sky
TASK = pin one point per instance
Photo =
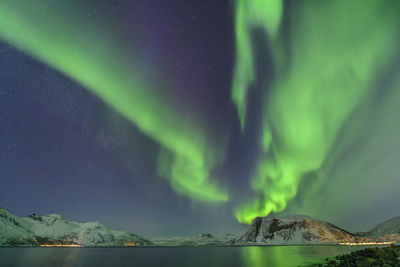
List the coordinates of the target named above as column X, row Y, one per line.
column 172, row 118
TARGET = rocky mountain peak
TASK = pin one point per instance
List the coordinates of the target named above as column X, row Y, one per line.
column 292, row 229
column 47, row 219
column 5, row 215
column 206, row 236
column 3, row 211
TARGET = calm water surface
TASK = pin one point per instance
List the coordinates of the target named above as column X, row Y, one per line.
column 171, row 256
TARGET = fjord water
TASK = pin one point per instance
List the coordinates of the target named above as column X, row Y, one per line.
column 255, row 256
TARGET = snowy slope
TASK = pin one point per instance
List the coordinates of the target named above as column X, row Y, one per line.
column 14, row 230
column 293, row 230
column 53, row 229
column 386, row 231
column 389, row 227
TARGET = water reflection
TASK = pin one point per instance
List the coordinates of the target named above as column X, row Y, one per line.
column 287, row 256
column 48, row 257
column 275, row 256
column 252, row 256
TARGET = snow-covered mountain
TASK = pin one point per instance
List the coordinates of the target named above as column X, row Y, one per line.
column 52, row 229
column 293, row 230
column 386, row 231
column 196, row 240
column 15, row 231
column 391, row 226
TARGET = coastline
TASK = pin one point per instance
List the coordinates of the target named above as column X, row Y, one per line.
column 375, row 256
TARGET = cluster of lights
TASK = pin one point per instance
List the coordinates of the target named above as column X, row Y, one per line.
column 128, row 244
column 61, row 245
column 367, row 243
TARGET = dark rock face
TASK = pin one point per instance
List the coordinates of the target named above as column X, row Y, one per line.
column 5, row 215
column 229, row 239
column 36, row 217
column 206, row 236
column 276, row 226
column 50, row 219
column 252, row 233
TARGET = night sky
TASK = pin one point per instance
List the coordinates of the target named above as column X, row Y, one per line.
column 173, row 118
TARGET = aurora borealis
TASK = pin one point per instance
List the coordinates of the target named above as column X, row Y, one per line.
column 325, row 81
column 177, row 112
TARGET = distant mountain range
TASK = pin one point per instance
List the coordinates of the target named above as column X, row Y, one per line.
column 196, row 240
column 53, row 230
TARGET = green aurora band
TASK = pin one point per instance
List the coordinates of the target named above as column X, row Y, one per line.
column 250, row 14
column 103, row 64
column 337, row 52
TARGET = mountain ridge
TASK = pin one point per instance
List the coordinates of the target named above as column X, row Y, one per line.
column 52, row 229
column 293, row 230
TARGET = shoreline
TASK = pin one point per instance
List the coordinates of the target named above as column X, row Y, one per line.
column 206, row 246
column 373, row 256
